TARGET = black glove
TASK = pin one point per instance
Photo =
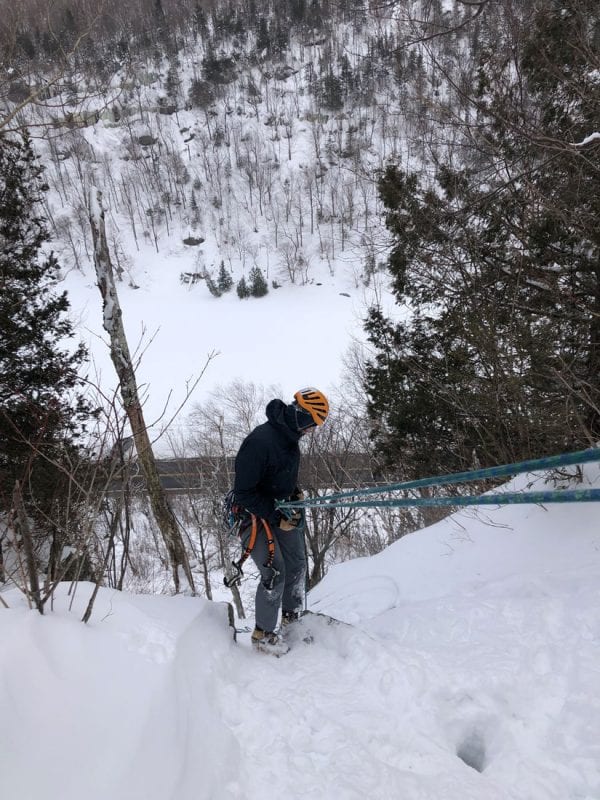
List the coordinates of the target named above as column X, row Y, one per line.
column 290, row 518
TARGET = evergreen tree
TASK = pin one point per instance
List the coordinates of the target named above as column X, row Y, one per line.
column 281, row 37
column 68, row 28
column 213, row 288
column 200, row 23
column 501, row 356
column 258, row 284
column 224, row 280
column 173, row 81
column 331, row 93
column 263, row 39
column 298, row 11
column 347, row 81
column 219, row 70
column 315, row 15
column 201, row 93
column 242, row 289
column 195, row 214
column 24, row 44
column 41, row 407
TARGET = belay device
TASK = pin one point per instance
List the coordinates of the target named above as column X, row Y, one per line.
column 236, row 520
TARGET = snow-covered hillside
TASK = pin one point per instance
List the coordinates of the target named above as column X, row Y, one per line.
column 266, row 167
column 469, row 672
column 295, row 336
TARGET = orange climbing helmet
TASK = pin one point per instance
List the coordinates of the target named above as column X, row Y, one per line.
column 314, row 402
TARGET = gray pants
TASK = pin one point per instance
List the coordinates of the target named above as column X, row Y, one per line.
column 287, row 590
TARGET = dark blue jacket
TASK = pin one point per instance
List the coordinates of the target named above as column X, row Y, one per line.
column 266, row 466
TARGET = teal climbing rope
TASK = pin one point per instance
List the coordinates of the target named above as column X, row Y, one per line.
column 347, row 499
column 508, row 498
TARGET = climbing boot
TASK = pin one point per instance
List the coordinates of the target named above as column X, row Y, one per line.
column 288, row 617
column 269, row 642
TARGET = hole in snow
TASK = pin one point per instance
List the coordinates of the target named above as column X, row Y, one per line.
column 472, row 751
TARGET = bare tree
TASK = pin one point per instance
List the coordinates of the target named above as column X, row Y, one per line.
column 113, row 324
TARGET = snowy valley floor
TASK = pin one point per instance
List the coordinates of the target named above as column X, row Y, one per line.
column 470, row 671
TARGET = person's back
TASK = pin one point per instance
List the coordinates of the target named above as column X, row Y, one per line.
column 267, row 464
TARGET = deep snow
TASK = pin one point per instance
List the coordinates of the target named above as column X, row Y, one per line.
column 295, row 336
column 470, row 672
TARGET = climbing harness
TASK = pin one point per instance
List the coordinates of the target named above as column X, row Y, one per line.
column 237, row 520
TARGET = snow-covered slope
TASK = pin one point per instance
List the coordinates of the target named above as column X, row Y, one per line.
column 295, row 336
column 470, row 672
column 268, row 180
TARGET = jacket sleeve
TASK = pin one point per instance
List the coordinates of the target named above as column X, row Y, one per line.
column 250, row 465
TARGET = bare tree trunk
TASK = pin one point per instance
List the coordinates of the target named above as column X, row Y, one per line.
column 102, row 569
column 22, row 529
column 203, row 552
column 121, row 358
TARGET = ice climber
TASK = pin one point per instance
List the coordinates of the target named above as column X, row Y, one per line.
column 266, row 470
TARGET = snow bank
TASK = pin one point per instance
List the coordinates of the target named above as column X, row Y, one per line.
column 472, row 548
column 121, row 708
column 488, row 628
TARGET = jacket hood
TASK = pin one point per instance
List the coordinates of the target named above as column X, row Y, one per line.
column 281, row 417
